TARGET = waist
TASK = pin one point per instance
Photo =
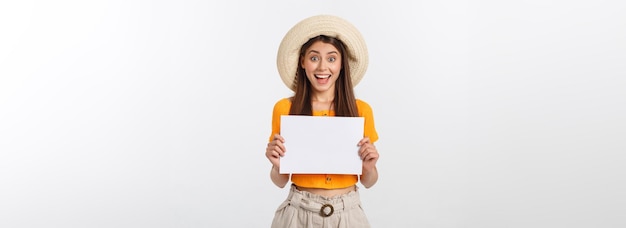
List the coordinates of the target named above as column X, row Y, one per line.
column 324, row 205
column 327, row 192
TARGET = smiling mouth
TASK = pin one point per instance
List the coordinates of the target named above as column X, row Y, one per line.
column 325, row 76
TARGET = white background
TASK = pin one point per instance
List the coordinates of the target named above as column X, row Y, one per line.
column 157, row 113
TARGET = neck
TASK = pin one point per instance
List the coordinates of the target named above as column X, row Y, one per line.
column 324, row 97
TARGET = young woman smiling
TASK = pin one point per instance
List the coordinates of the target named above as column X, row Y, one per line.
column 321, row 59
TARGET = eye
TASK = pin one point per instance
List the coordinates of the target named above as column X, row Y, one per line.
column 332, row 59
column 314, row 58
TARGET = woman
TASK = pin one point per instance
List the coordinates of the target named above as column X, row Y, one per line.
column 321, row 58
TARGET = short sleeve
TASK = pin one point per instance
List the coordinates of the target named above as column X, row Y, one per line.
column 280, row 108
column 369, row 129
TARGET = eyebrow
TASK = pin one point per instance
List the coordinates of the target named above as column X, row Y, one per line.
column 317, row 52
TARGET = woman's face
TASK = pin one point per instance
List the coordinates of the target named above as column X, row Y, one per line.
column 322, row 64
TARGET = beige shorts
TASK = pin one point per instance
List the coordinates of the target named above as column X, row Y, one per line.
column 304, row 209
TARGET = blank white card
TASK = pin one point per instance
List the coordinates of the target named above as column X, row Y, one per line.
column 321, row 145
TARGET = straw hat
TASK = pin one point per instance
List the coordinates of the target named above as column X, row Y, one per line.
column 333, row 26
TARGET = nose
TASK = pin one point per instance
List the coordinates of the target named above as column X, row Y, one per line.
column 321, row 65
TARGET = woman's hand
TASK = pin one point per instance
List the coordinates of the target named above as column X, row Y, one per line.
column 368, row 153
column 275, row 149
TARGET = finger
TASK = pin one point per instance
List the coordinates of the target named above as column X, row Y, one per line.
column 270, row 152
column 277, row 154
column 364, row 140
column 279, row 141
column 370, row 156
column 279, row 138
column 361, row 152
column 364, row 153
column 273, row 157
column 273, row 151
column 280, row 147
column 365, row 147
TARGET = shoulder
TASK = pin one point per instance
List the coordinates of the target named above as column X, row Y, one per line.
column 284, row 102
column 283, row 105
column 361, row 104
column 363, row 107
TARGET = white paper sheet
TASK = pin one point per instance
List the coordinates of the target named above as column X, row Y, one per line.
column 321, row 145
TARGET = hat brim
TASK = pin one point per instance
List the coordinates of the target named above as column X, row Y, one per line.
column 328, row 25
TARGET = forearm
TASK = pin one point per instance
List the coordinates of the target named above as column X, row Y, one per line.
column 279, row 180
column 369, row 177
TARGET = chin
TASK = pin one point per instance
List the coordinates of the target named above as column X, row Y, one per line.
column 321, row 88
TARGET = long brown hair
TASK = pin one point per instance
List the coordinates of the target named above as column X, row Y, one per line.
column 344, row 102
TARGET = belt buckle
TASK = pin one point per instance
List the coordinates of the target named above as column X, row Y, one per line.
column 323, row 210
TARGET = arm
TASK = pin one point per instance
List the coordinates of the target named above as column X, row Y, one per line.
column 369, row 155
column 276, row 149
column 279, row 180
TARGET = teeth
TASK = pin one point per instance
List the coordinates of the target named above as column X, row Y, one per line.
column 326, row 76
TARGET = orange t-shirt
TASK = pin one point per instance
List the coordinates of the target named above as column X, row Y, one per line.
column 327, row 181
